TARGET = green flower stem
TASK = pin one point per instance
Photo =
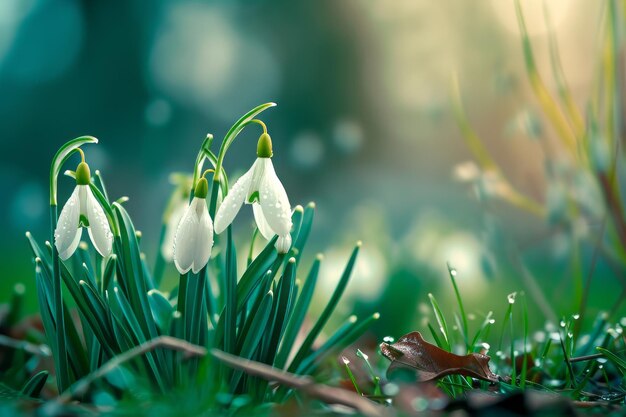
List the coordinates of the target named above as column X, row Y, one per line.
column 206, row 146
column 62, row 155
column 182, row 299
column 233, row 132
column 62, row 369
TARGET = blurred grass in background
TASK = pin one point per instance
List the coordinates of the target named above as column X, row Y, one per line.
column 364, row 127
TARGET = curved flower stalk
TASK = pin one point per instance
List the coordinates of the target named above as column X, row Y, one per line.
column 194, row 235
column 260, row 187
column 82, row 209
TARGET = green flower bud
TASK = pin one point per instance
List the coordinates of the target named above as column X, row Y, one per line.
column 202, row 188
column 83, row 175
column 264, row 147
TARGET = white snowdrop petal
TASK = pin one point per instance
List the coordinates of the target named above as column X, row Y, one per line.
column 258, row 170
column 274, row 201
column 67, row 234
column 204, row 241
column 262, row 224
column 99, row 228
column 69, row 251
column 232, row 203
column 185, row 240
column 283, row 243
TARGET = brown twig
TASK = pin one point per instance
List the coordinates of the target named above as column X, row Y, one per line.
column 167, row 342
column 331, row 395
column 590, row 357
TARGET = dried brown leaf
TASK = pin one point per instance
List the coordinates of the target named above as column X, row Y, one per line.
column 432, row 362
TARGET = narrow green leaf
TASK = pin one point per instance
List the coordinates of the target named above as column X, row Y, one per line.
column 230, row 287
column 248, row 283
column 264, row 288
column 161, row 309
column 281, row 305
column 109, row 272
column 128, row 249
column 618, row 361
column 123, row 313
column 343, row 337
column 465, row 326
column 253, row 337
column 328, row 310
column 34, row 385
column 250, row 278
column 198, row 307
column 304, row 230
column 98, row 320
column 441, row 320
column 297, row 317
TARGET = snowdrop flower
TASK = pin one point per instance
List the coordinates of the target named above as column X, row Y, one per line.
column 194, row 236
column 82, row 210
column 260, row 187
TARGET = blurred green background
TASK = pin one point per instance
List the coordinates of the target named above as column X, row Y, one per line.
column 364, row 127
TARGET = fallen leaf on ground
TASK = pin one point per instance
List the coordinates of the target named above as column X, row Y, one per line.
column 432, row 362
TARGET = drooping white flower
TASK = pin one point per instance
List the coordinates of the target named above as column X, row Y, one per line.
column 194, row 236
column 82, row 209
column 260, row 187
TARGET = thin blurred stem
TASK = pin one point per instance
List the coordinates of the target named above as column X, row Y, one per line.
column 484, row 158
column 614, row 112
column 472, row 140
column 582, row 309
column 615, row 207
column 573, row 112
column 545, row 99
column 532, row 286
column 617, row 304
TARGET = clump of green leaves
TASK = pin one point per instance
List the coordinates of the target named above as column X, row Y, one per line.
column 129, row 333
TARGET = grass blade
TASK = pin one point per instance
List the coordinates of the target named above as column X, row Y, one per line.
column 328, row 310
column 299, row 313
